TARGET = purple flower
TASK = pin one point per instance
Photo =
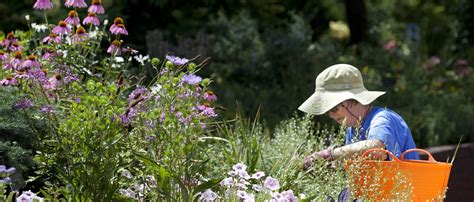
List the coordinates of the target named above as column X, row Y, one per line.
column 209, row 96
column 47, row 109
column 15, row 62
column 227, row 182
column 96, row 7
column 81, row 35
column 54, row 81
column 48, row 55
column 271, row 183
column 24, row 104
column 242, row 194
column 75, row 3
column 72, row 18
column 3, row 55
column 140, row 92
column 91, row 19
column 430, row 63
column 29, row 196
column 8, row 81
column 5, row 180
column 289, row 196
column 177, row 60
column 61, row 28
column 191, row 79
column 43, row 4
column 258, row 175
column 207, row 111
column 257, row 187
column 114, row 48
column 239, row 167
column 118, row 29
column 52, row 38
column 208, row 195
column 15, row 47
column 31, row 62
column 9, row 40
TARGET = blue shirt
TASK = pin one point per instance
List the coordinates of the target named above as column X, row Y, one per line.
column 387, row 126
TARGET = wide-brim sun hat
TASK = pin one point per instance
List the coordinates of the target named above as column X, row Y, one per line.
column 336, row 84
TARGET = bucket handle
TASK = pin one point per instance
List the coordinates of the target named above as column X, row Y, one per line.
column 366, row 153
column 430, row 158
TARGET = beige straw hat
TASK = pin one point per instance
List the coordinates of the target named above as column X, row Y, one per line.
column 334, row 85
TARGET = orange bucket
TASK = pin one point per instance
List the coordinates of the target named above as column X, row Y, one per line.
column 414, row 180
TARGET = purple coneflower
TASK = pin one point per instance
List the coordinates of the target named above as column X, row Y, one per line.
column 114, row 48
column 43, row 4
column 9, row 39
column 118, row 27
column 21, row 74
column 61, row 28
column 8, row 81
column 47, row 109
column 48, row 55
column 52, row 38
column 15, row 47
column 24, row 104
column 39, row 75
column 31, row 62
column 207, row 111
column 96, row 7
column 3, row 55
column 191, row 79
column 91, row 19
column 75, row 3
column 176, row 60
column 209, row 96
column 16, row 61
column 54, row 82
column 72, row 18
column 81, row 35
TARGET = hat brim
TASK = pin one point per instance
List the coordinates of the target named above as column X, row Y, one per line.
column 321, row 102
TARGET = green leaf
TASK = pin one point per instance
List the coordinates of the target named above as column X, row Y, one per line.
column 207, row 185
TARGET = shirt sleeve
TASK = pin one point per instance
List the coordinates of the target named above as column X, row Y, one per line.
column 381, row 128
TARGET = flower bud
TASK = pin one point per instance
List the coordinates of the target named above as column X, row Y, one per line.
column 191, row 66
column 155, row 62
column 169, row 64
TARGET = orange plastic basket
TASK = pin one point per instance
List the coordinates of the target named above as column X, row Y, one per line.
column 414, row 180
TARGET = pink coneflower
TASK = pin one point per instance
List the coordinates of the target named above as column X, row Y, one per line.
column 114, row 48
column 430, row 63
column 31, row 62
column 72, row 18
column 118, row 27
column 43, row 4
column 75, row 3
column 390, row 46
column 61, row 28
column 96, row 7
column 52, row 38
column 209, row 96
column 9, row 40
column 81, row 35
column 8, row 81
column 48, row 55
column 3, row 55
column 91, row 19
column 16, row 60
column 462, row 68
column 54, row 82
column 15, row 47
column 21, row 74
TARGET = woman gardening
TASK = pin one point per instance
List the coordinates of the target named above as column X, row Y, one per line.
column 340, row 93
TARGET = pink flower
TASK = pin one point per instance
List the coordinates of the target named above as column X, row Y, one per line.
column 72, row 18
column 61, row 28
column 8, row 81
column 75, row 3
column 462, row 68
column 81, row 35
column 390, row 46
column 21, row 74
column 209, row 96
column 3, row 55
column 114, row 48
column 43, row 4
column 15, row 61
column 91, row 19
column 54, row 82
column 52, row 38
column 31, row 62
column 118, row 27
column 271, row 183
column 15, row 47
column 48, row 55
column 9, row 40
column 96, row 7
column 430, row 63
